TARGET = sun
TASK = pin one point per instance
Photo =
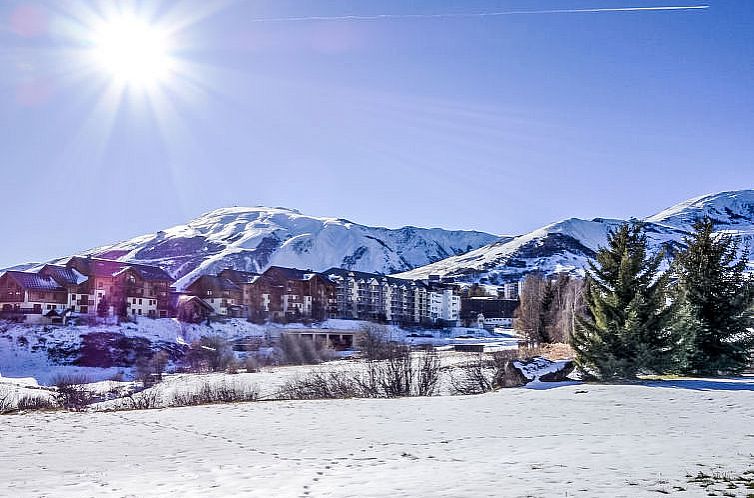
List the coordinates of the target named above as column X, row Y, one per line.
column 132, row 51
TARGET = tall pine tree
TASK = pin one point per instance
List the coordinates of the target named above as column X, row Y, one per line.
column 717, row 299
column 628, row 329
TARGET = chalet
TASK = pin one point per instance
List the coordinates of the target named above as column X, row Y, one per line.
column 291, row 293
column 224, row 296
column 246, row 281
column 32, row 298
column 122, row 288
column 76, row 285
column 191, row 309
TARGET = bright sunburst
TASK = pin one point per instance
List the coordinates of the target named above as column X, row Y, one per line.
column 132, row 51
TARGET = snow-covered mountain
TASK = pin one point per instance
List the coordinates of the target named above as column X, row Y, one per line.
column 568, row 245
column 253, row 239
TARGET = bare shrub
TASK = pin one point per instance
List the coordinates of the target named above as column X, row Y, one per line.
column 322, row 385
column 402, row 374
column 396, row 373
column 222, row 392
column 72, row 391
column 7, row 401
column 34, row 403
column 296, row 350
column 428, row 373
column 209, row 354
column 144, row 400
column 476, row 377
column 251, row 364
column 374, row 341
column 149, row 369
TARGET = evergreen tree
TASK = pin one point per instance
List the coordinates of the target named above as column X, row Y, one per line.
column 546, row 313
column 717, row 298
column 628, row 328
column 103, row 307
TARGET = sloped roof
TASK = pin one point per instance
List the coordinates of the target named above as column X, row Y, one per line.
column 215, row 283
column 185, row 299
column 63, row 275
column 289, row 273
column 34, row 281
column 149, row 273
column 361, row 275
column 240, row 277
column 108, row 268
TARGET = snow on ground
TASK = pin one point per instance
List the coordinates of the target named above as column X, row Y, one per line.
column 24, row 349
column 584, row 440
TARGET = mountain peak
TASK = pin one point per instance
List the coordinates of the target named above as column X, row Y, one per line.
column 254, row 238
column 734, row 208
column 568, row 245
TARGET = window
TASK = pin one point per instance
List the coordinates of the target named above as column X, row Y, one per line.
column 139, row 301
column 100, row 285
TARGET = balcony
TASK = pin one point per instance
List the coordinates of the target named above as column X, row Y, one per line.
column 22, row 311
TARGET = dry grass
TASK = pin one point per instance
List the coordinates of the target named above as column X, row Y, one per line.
column 554, row 352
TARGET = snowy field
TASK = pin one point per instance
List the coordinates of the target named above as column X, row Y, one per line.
column 568, row 440
column 25, row 350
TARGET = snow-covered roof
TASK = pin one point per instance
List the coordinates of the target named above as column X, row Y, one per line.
column 34, row 281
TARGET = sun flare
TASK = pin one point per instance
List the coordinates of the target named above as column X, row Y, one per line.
column 132, row 51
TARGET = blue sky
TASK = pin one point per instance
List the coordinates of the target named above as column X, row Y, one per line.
column 500, row 124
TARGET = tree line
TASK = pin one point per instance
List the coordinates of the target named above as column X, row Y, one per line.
column 636, row 312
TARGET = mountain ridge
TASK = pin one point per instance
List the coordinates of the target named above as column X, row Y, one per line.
column 254, row 238
column 567, row 245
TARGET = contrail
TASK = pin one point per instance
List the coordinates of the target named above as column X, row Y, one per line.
column 377, row 17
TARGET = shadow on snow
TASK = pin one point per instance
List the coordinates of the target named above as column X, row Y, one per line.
column 722, row 384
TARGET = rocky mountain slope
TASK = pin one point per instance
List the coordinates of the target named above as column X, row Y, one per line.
column 568, row 245
column 253, row 239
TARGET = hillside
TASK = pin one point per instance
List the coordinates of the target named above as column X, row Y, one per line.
column 568, row 245
column 253, row 239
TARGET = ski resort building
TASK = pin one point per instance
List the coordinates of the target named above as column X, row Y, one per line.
column 85, row 286
column 374, row 297
column 224, row 296
column 31, row 298
column 120, row 288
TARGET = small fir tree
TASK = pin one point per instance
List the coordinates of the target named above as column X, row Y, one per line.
column 628, row 328
column 717, row 299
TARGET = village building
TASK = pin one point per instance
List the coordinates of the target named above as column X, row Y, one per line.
column 123, row 288
column 488, row 312
column 32, row 298
column 191, row 309
column 224, row 296
column 246, row 282
column 76, row 286
column 374, row 297
column 291, row 294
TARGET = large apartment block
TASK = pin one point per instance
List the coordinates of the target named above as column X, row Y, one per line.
column 292, row 294
column 369, row 296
